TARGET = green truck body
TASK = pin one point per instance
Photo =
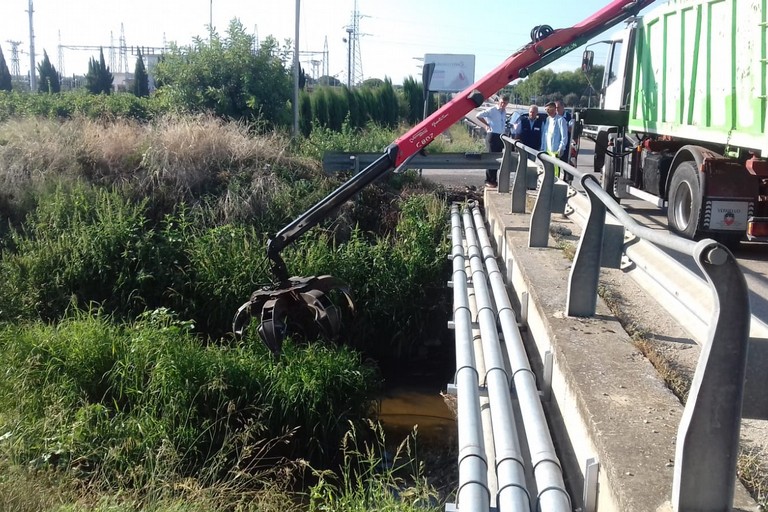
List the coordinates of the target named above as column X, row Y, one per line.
column 683, row 120
column 700, row 73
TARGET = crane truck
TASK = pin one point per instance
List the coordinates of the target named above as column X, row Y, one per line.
column 292, row 304
column 682, row 121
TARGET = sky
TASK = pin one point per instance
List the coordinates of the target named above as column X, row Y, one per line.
column 393, row 35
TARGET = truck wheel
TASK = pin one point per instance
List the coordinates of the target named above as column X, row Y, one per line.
column 684, row 209
column 609, row 178
column 601, row 144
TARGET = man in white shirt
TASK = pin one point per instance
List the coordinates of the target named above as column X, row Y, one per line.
column 495, row 121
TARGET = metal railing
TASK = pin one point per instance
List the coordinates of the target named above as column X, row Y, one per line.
column 706, row 450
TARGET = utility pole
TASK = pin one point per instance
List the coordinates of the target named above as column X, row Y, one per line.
column 296, row 74
column 349, row 56
column 32, row 70
column 210, row 22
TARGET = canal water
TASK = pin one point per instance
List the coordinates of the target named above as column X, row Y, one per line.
column 426, row 409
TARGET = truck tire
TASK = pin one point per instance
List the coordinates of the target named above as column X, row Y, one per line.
column 609, row 178
column 684, row 206
column 601, row 144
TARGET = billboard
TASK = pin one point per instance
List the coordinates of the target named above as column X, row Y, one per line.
column 452, row 73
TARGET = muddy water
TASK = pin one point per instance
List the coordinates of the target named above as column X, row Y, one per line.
column 405, row 407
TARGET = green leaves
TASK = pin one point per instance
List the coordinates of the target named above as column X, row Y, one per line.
column 99, row 79
column 122, row 402
column 50, row 81
column 224, row 75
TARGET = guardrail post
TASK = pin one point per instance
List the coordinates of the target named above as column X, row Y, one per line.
column 509, row 160
column 520, row 184
column 542, row 209
column 585, row 271
column 708, row 436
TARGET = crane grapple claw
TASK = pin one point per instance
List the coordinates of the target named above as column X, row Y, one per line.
column 301, row 305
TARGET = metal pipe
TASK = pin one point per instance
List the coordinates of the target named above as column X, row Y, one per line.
column 546, row 466
column 473, row 491
column 510, row 467
column 485, row 405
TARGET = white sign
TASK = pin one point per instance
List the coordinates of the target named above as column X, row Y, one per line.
column 453, row 72
column 730, row 215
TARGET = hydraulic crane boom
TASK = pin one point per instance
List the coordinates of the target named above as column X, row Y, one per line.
column 546, row 46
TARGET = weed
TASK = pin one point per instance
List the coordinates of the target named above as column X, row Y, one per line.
column 372, row 478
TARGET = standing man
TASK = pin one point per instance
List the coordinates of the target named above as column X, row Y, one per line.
column 565, row 157
column 495, row 121
column 529, row 130
column 554, row 134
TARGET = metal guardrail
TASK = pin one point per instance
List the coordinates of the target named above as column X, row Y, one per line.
column 338, row 161
column 708, row 434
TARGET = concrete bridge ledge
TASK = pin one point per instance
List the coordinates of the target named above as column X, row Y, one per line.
column 607, row 401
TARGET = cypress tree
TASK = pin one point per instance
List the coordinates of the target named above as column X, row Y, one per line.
column 5, row 75
column 99, row 79
column 140, row 78
column 50, row 81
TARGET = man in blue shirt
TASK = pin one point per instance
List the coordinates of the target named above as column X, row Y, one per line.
column 554, row 134
column 495, row 121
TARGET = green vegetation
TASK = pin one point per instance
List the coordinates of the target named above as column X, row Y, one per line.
column 99, row 79
column 125, row 250
column 224, row 76
column 370, row 480
column 575, row 88
column 5, row 75
column 50, row 81
column 140, row 77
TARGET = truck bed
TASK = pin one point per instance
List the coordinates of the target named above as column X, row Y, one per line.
column 710, row 83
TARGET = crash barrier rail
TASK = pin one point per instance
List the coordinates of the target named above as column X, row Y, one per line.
column 488, row 433
column 706, row 450
column 336, row 161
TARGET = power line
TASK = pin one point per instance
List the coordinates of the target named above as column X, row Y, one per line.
column 354, row 53
column 15, row 66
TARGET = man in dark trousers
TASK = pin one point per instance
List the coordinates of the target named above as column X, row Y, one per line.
column 495, row 121
column 529, row 130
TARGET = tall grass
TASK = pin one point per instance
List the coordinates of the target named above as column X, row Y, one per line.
column 374, row 479
column 85, row 245
column 131, row 406
column 134, row 244
column 396, row 279
column 173, row 160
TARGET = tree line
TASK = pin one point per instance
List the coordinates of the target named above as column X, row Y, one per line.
column 229, row 76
